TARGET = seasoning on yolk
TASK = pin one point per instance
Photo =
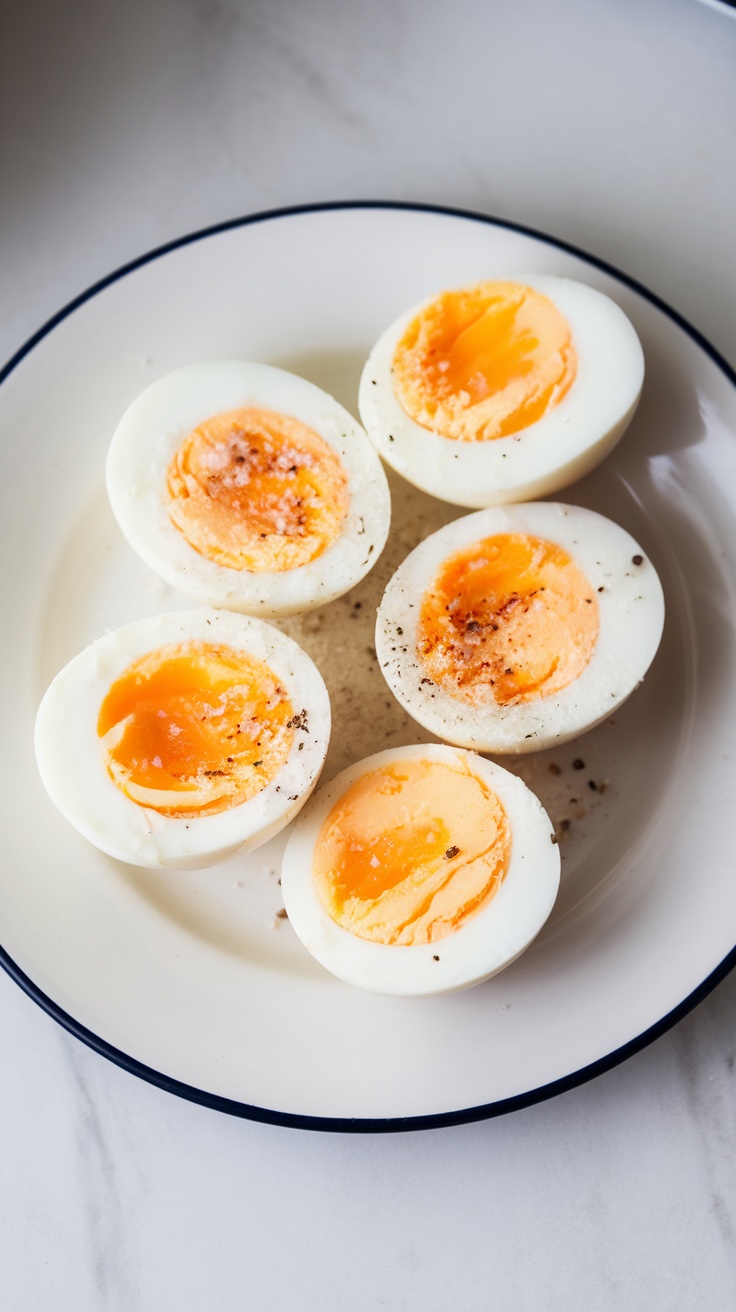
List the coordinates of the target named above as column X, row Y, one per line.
column 411, row 851
column 195, row 728
column 256, row 490
column 484, row 361
column 508, row 619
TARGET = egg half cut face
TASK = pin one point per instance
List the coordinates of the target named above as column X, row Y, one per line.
column 248, row 488
column 519, row 627
column 179, row 740
column 420, row 870
column 502, row 391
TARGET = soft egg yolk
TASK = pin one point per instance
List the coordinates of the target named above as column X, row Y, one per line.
column 411, row 851
column 256, row 490
column 484, row 362
column 195, row 728
column 507, row 620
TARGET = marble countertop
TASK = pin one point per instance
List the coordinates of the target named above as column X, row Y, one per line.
column 610, row 126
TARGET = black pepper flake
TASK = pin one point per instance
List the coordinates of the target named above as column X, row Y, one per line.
column 357, row 605
column 400, row 631
column 212, row 773
column 451, row 852
column 294, row 798
column 565, row 825
column 257, row 763
column 593, row 785
column 301, row 747
column 578, row 763
column 435, row 958
column 601, row 589
column 637, row 560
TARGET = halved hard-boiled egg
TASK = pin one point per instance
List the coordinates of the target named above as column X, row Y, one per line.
column 420, row 870
column 519, row 626
column 502, row 391
column 183, row 738
column 248, row 488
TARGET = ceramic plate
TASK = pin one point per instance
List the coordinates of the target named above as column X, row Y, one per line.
column 192, row 980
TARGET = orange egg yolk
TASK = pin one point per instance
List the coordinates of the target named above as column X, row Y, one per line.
column 507, row 620
column 195, row 728
column 256, row 490
column 411, row 851
column 484, row 362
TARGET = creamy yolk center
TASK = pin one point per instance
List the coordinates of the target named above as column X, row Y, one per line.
column 484, row 362
column 195, row 728
column 256, row 490
column 507, row 620
column 411, row 851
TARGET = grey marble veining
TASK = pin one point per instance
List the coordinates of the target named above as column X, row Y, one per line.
column 609, row 125
column 99, row 1186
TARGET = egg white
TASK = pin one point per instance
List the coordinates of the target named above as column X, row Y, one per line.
column 560, row 447
column 71, row 761
column 485, row 944
column 146, row 440
column 631, row 614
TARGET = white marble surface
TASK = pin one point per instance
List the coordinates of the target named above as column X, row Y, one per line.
column 610, row 125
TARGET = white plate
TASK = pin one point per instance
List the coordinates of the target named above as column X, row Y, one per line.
column 191, row 980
